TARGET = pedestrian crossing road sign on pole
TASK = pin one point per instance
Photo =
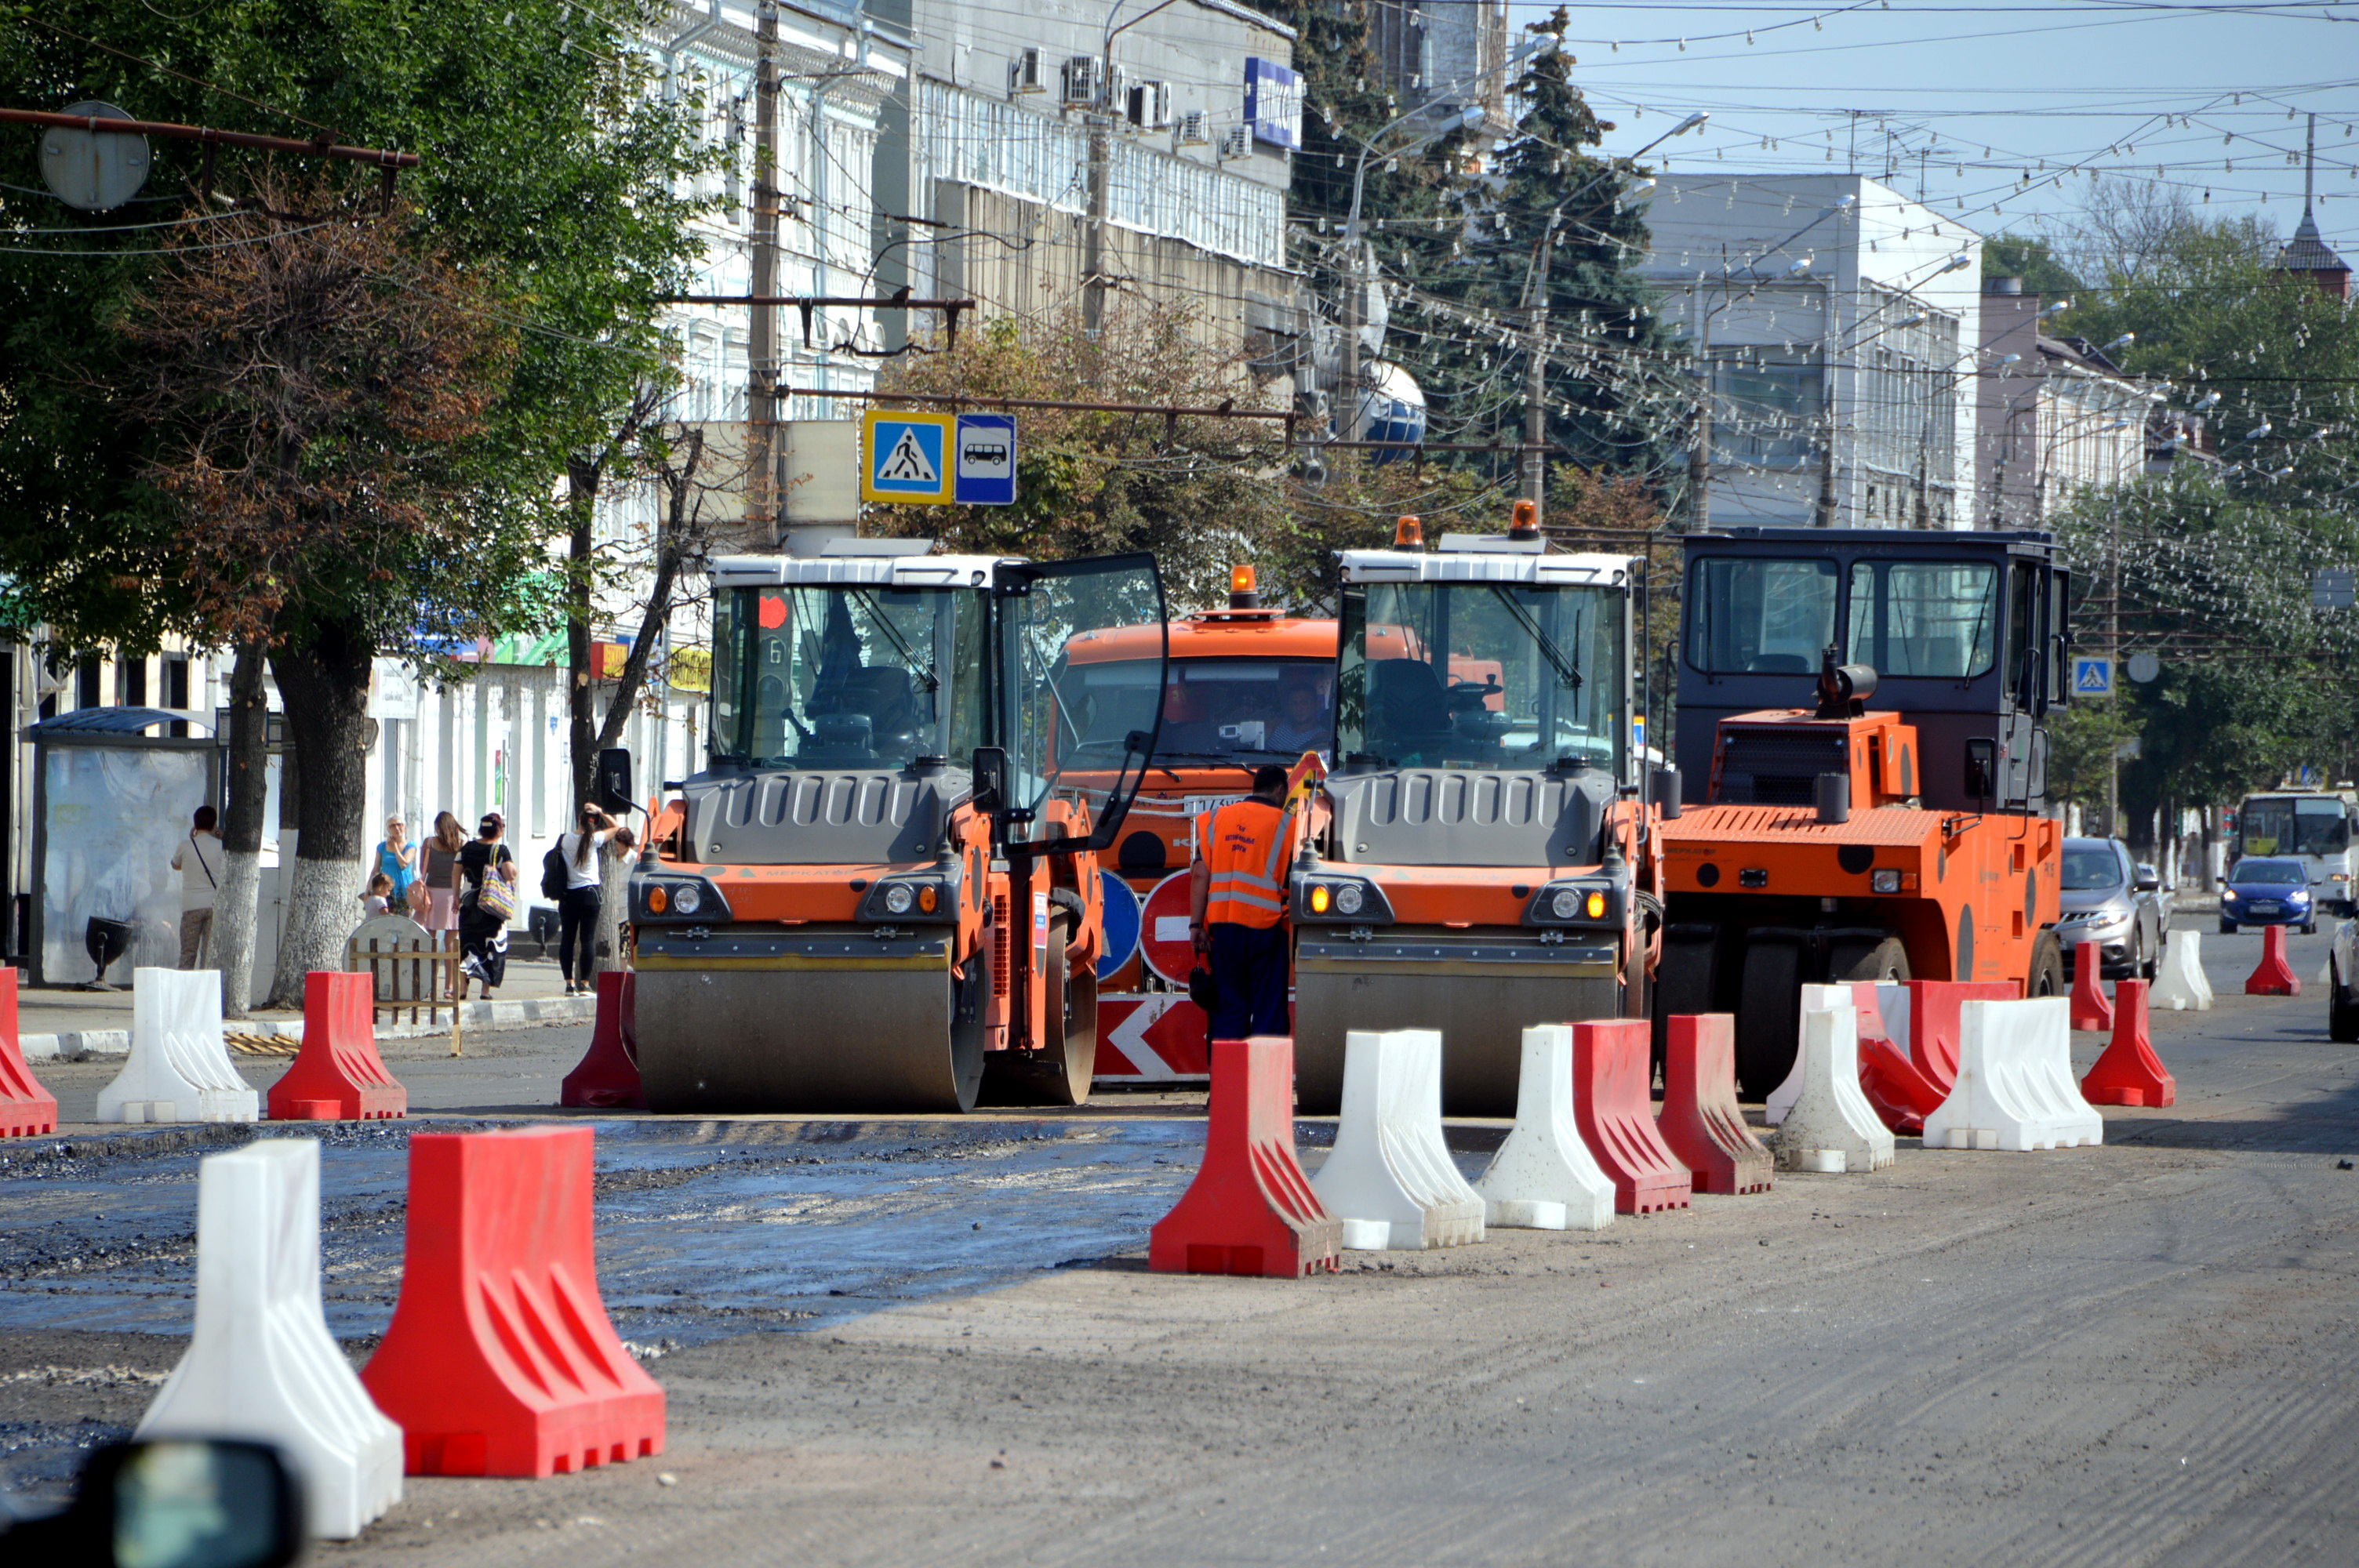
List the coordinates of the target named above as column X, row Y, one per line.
column 2093, row 677
column 907, row 458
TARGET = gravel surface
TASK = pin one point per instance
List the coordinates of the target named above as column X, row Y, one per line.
column 2141, row 1353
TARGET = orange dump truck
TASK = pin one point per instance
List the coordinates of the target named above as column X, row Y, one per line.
column 1862, row 711
column 881, row 892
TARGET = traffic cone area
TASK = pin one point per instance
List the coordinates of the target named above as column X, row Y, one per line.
column 607, row 1077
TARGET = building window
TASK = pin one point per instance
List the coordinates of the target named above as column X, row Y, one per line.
column 1765, row 413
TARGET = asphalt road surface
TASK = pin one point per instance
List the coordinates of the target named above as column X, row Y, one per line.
column 901, row 1341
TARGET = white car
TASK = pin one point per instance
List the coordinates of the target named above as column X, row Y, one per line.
column 2343, row 984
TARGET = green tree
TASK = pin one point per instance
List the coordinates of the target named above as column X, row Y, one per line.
column 551, row 172
column 2032, row 259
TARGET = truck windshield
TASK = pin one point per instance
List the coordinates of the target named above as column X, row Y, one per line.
column 845, row 675
column 2294, row 824
column 1481, row 675
column 1753, row 616
column 1218, row 711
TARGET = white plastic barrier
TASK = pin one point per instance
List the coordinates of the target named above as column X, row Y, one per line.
column 2014, row 1087
column 1831, row 1127
column 1391, row 1180
column 179, row 1069
column 261, row 1364
column 2179, row 983
column 1815, row 999
column 1544, row 1177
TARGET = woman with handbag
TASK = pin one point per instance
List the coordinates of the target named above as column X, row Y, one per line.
column 488, row 902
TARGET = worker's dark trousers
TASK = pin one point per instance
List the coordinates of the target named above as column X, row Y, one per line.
column 1248, row 967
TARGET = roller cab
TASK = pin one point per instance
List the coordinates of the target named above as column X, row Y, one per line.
column 1863, row 711
column 881, row 894
column 1486, row 864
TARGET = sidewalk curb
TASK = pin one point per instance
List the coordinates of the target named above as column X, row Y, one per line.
column 526, row 1012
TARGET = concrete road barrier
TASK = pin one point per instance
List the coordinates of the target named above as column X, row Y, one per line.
column 1543, row 1178
column 261, row 1364
column 179, row 1069
column 1390, row 1178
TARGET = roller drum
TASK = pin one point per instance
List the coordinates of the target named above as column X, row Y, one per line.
column 805, row 1030
column 1480, row 995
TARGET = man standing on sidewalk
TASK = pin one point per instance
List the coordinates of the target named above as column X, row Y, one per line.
column 198, row 861
column 1237, row 904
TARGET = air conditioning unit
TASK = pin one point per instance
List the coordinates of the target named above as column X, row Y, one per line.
column 1150, row 105
column 1024, row 73
column 1195, row 130
column 1236, row 142
column 1078, row 80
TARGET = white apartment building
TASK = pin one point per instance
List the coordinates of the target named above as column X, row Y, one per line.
column 1837, row 320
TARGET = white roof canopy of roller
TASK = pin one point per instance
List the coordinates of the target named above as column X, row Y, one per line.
column 883, row 563
column 1475, row 563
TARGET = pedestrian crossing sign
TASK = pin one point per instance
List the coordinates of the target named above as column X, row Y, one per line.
column 2093, row 677
column 907, row 458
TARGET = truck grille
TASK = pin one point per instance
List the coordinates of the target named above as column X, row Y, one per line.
column 1778, row 766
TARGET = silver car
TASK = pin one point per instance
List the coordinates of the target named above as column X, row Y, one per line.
column 2111, row 900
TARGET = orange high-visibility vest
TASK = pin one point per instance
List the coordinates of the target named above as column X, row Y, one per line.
column 1248, row 844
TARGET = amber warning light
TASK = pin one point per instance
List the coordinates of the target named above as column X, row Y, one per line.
column 1525, row 521
column 1408, row 534
column 1241, row 589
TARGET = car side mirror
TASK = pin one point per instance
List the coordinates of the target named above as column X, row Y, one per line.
column 613, row 780
column 2148, row 880
column 180, row 1503
column 1981, row 769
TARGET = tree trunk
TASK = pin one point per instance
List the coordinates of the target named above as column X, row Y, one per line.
column 234, row 907
column 325, row 683
column 580, row 686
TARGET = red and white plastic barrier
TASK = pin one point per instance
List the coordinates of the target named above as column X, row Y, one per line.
column 27, row 1109
column 1700, row 1122
column 179, row 1069
column 337, row 1075
column 1613, row 1103
column 1831, row 1128
column 1390, row 1178
column 500, row 1360
column 2014, row 1087
column 261, row 1364
column 2129, row 1073
column 1250, row 1209
column 608, row 1076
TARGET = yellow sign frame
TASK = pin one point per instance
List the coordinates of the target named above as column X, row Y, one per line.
column 892, row 464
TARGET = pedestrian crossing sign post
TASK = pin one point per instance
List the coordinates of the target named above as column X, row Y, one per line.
column 2093, row 677
column 907, row 458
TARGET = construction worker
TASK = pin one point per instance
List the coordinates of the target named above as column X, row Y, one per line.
column 1237, row 904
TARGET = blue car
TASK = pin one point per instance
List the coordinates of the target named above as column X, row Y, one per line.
column 2263, row 891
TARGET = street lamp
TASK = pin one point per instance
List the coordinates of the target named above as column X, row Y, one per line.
column 1471, row 117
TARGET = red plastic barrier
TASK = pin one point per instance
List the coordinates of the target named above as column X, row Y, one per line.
column 1612, row 1103
column 1701, row 1124
column 1902, row 1095
column 2129, row 1073
column 500, row 1360
column 27, row 1109
column 337, row 1076
column 1250, row 1209
column 2090, row 1008
column 608, row 1076
column 1933, row 1022
column 2275, row 975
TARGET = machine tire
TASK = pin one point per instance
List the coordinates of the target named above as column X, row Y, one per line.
column 2341, row 1011
column 2227, row 926
column 1769, row 1016
column 2309, row 928
column 2046, row 977
column 1884, row 961
column 1059, row 1074
column 2153, row 966
column 1683, row 983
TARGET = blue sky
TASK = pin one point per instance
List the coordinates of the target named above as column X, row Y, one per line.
column 1978, row 96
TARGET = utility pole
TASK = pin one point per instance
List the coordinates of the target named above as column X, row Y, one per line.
column 1094, row 237
column 762, row 359
column 2114, row 652
column 1536, row 372
column 1699, row 449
